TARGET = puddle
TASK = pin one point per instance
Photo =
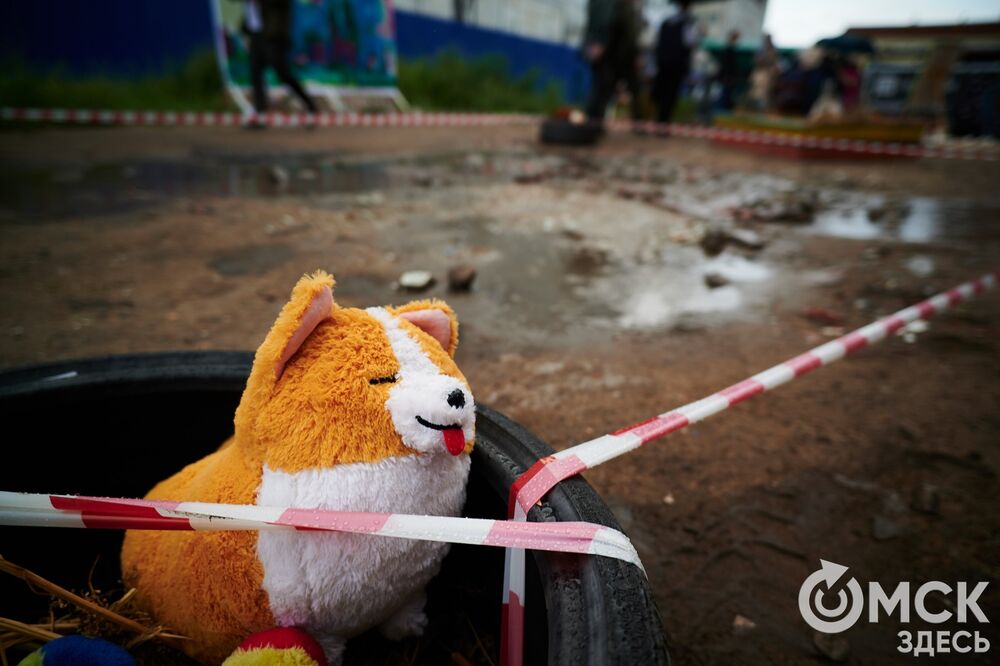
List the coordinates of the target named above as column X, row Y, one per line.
column 250, row 260
column 668, row 291
column 914, row 220
column 53, row 193
column 849, row 223
column 675, row 291
column 930, row 219
column 736, row 268
column 543, row 287
column 839, row 212
column 57, row 192
column 712, row 197
column 657, row 308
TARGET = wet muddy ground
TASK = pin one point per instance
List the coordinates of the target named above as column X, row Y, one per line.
column 611, row 285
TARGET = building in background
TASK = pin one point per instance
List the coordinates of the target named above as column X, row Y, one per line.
column 721, row 17
column 541, row 37
column 717, row 18
column 557, row 21
column 911, row 44
column 562, row 21
column 941, row 72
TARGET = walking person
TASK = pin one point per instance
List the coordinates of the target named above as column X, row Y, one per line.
column 729, row 73
column 765, row 73
column 611, row 45
column 677, row 37
column 848, row 82
column 268, row 24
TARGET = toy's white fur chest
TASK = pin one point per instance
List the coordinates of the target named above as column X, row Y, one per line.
column 342, row 584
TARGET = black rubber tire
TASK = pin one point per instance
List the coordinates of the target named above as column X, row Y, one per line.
column 597, row 610
column 565, row 133
column 600, row 610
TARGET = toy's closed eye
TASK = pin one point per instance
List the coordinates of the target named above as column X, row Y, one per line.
column 391, row 379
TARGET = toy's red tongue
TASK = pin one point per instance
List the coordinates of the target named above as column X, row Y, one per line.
column 454, row 440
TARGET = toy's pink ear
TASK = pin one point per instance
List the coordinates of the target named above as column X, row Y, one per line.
column 434, row 318
column 319, row 308
column 311, row 302
column 433, row 322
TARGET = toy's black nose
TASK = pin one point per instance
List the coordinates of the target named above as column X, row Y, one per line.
column 456, row 399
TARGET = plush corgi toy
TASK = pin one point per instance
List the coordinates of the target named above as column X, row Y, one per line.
column 349, row 409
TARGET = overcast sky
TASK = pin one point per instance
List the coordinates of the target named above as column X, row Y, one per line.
column 797, row 23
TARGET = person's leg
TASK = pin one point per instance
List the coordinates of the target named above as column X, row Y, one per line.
column 258, row 61
column 665, row 101
column 279, row 60
column 631, row 77
column 678, row 86
column 602, row 88
column 727, row 97
column 671, row 88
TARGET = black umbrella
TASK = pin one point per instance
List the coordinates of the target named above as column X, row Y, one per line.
column 847, row 43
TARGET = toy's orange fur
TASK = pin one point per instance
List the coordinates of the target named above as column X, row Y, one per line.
column 205, row 584
column 321, row 411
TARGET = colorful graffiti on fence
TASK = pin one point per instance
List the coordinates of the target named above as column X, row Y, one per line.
column 333, row 42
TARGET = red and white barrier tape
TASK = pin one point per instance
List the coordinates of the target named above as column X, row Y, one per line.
column 275, row 119
column 953, row 151
column 531, row 486
column 27, row 509
column 456, row 119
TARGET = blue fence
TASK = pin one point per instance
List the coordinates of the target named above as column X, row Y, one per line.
column 134, row 38
column 418, row 36
column 105, row 37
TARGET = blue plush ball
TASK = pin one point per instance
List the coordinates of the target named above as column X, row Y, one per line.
column 81, row 651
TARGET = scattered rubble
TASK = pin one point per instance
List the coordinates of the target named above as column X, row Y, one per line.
column 423, row 180
column 715, row 280
column 416, row 280
column 795, row 207
column 834, row 647
column 876, row 213
column 746, row 239
column 910, row 332
column 920, row 265
column 893, row 503
column 926, row 499
column 743, row 624
column 278, row 176
column 873, row 253
column 530, row 177
column 475, row 161
column 287, row 225
column 588, row 260
column 884, row 528
column 715, row 240
column 460, row 278
column 370, row 199
column 823, row 316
